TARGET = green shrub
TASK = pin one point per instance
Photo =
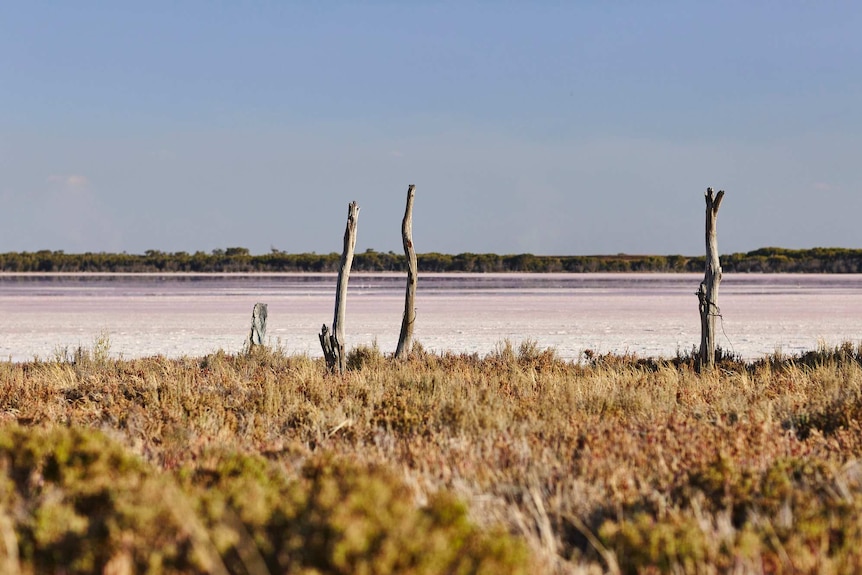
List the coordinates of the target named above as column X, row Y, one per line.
column 675, row 544
column 79, row 502
column 341, row 517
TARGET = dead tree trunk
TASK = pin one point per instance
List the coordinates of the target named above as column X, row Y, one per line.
column 333, row 343
column 257, row 334
column 707, row 294
column 406, row 337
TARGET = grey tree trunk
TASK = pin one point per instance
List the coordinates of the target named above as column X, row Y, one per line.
column 333, row 343
column 257, row 334
column 707, row 294
column 406, row 337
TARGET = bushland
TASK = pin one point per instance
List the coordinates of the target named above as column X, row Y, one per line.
column 238, row 259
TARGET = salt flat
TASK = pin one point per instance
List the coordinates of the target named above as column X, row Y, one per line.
column 646, row 314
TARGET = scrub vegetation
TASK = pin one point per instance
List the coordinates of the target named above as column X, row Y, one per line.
column 237, row 259
column 516, row 462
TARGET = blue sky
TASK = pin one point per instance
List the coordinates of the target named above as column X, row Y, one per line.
column 548, row 127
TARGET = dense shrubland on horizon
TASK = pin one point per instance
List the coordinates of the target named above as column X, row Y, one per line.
column 513, row 462
column 238, row 259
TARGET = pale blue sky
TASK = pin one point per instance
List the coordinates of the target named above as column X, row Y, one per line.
column 543, row 127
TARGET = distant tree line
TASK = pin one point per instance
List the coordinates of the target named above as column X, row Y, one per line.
column 236, row 259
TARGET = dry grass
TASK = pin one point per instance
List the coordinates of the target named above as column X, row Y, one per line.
column 266, row 463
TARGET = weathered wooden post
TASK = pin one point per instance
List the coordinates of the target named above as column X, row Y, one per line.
column 333, row 343
column 257, row 334
column 707, row 293
column 409, row 318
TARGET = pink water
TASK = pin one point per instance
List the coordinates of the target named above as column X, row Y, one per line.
column 647, row 314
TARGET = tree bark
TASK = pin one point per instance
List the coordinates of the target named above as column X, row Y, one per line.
column 333, row 343
column 707, row 293
column 257, row 334
column 409, row 318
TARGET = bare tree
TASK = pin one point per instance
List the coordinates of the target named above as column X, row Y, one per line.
column 406, row 337
column 707, row 293
column 333, row 343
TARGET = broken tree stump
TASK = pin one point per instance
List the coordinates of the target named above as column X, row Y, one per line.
column 409, row 318
column 333, row 342
column 707, row 293
column 329, row 345
column 257, row 334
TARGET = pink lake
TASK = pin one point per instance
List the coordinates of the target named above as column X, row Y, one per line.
column 43, row 315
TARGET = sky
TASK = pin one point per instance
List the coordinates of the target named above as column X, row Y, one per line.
column 546, row 127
